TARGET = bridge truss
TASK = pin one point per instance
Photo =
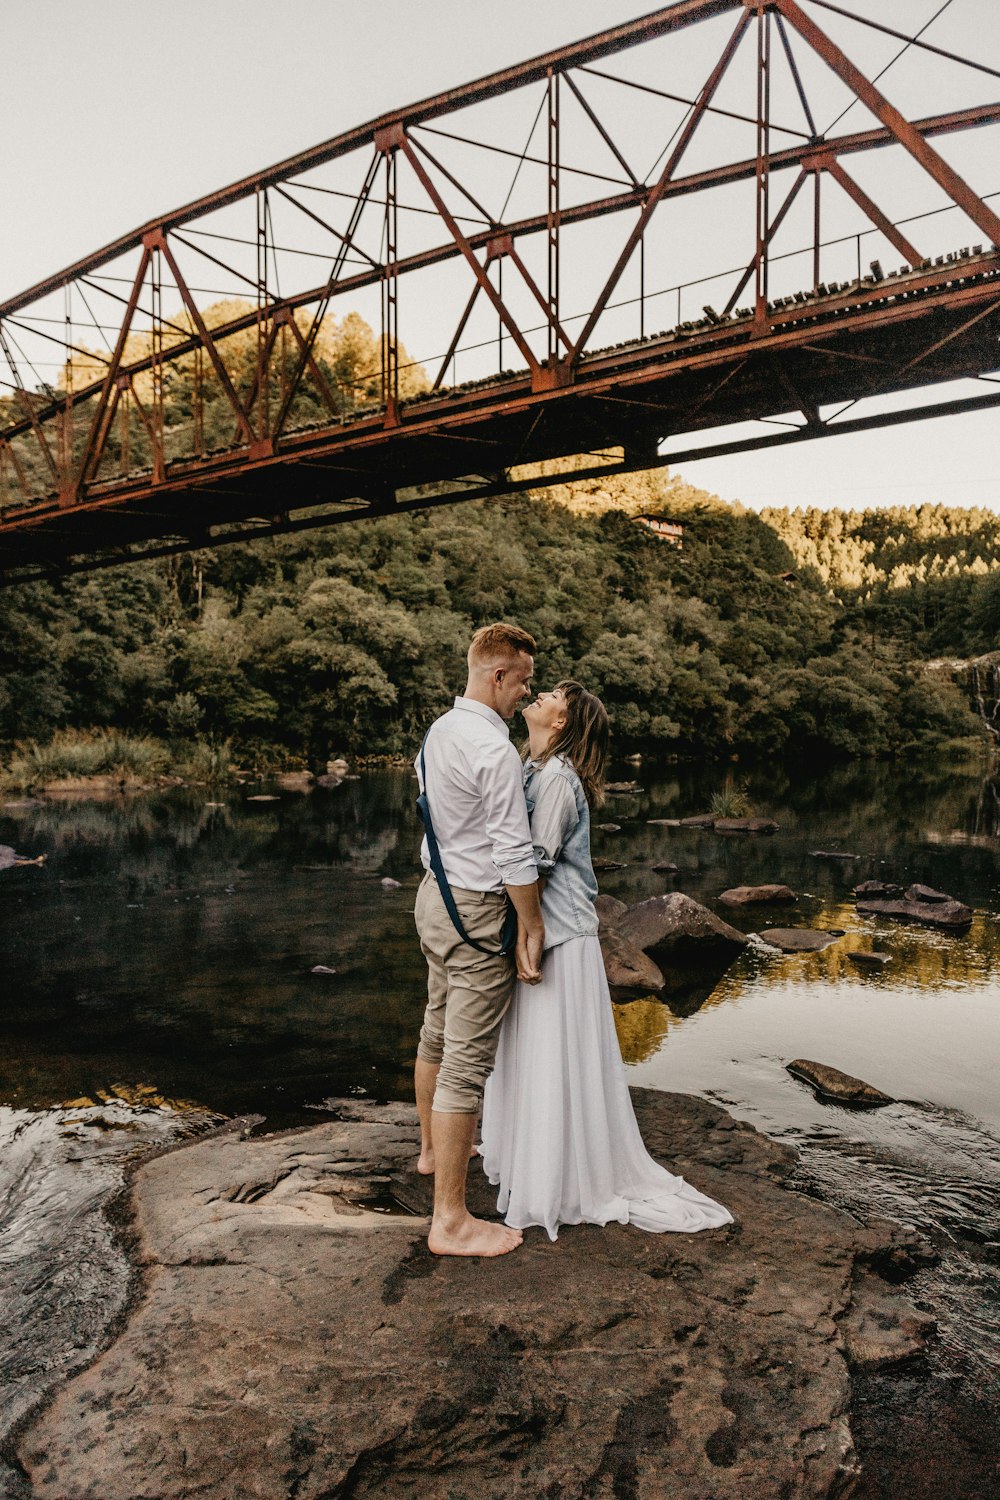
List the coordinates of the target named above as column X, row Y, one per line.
column 208, row 382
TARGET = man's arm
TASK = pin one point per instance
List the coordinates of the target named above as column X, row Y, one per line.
column 530, row 930
column 502, row 791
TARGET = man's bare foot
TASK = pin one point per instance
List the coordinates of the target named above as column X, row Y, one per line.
column 473, row 1237
column 425, row 1161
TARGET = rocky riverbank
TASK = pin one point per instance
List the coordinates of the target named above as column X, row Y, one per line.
column 295, row 1338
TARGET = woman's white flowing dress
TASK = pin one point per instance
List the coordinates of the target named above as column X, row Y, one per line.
column 560, row 1136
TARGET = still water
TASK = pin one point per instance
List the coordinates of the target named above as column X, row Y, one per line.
column 158, row 974
column 169, row 941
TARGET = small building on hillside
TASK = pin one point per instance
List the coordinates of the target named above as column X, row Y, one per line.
column 664, row 530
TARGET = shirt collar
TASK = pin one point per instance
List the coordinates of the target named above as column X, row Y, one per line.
column 473, row 706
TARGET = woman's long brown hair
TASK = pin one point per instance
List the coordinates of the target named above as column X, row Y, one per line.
column 584, row 738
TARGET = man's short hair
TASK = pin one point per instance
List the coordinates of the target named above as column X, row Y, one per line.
column 499, row 643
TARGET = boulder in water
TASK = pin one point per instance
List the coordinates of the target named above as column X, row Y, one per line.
column 798, row 939
column 665, row 923
column 867, row 959
column 758, row 895
column 629, row 970
column 880, row 889
column 841, row 1088
column 608, row 910
column 919, row 904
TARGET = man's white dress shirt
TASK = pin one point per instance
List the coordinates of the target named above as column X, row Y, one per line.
column 475, row 788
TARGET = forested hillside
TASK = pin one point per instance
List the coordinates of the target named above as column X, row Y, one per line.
column 348, row 640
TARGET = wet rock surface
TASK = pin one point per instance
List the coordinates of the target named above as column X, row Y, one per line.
column 296, row 1337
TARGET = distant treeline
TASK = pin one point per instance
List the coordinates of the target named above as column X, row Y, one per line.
column 926, row 575
column 787, row 631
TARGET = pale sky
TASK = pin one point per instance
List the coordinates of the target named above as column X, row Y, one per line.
column 115, row 111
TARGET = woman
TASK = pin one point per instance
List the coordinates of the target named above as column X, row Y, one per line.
column 559, row 1133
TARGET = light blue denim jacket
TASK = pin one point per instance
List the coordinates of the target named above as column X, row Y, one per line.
column 560, row 833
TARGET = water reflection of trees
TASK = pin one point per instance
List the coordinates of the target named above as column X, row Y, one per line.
column 642, row 1028
column 922, row 960
column 153, row 842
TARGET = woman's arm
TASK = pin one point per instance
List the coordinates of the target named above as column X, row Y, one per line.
column 554, row 817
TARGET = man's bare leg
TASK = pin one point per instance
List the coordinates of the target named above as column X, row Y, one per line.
column 453, row 1229
column 424, row 1082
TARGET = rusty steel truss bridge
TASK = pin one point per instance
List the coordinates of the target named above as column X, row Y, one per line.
column 203, row 385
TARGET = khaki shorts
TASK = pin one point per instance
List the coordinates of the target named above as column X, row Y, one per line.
column 468, row 992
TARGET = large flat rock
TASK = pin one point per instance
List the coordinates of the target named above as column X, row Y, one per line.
column 293, row 1341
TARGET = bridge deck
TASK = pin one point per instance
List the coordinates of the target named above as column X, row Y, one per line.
column 936, row 322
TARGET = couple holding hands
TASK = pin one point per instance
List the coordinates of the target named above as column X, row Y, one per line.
column 519, row 1022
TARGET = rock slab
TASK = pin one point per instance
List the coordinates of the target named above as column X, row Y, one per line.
column 745, row 825
column 294, row 1341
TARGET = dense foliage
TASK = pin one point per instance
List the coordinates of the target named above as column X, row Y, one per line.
column 350, row 639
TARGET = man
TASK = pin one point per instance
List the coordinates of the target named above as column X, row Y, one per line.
column 474, row 790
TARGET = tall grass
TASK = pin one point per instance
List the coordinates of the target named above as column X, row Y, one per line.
column 71, row 754
column 732, row 802
column 207, row 761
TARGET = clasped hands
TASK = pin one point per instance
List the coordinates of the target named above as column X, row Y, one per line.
column 528, row 953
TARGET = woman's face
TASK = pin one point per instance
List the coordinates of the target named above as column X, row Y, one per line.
column 547, row 713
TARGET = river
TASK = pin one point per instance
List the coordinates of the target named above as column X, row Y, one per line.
column 160, row 975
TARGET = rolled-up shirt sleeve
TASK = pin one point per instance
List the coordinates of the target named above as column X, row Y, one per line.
column 553, row 820
column 502, row 790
